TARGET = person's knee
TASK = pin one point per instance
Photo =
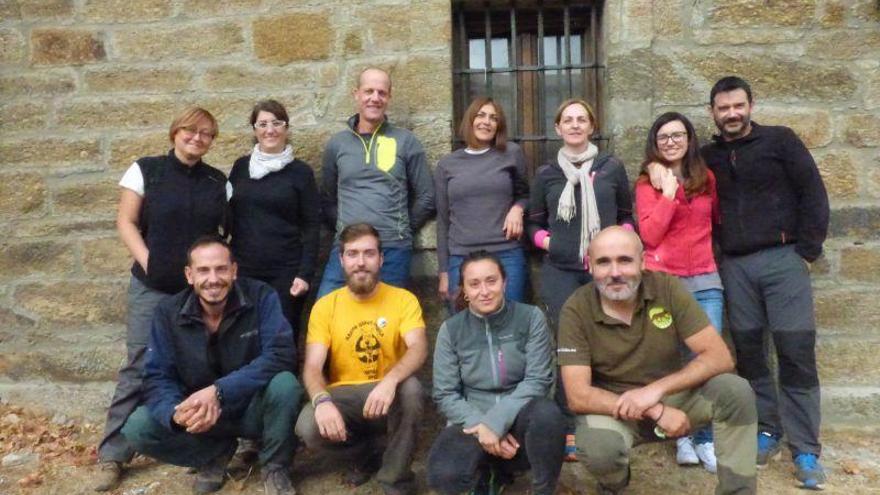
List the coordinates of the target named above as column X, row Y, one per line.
column 601, row 449
column 796, row 352
column 284, row 390
column 547, row 416
column 447, row 477
column 734, row 399
column 137, row 428
column 411, row 395
column 307, row 429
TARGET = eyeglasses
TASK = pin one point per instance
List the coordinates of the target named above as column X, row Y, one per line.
column 675, row 137
column 202, row 133
column 274, row 124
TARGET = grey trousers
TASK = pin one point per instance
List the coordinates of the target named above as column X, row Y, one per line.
column 142, row 302
column 769, row 293
column 399, row 426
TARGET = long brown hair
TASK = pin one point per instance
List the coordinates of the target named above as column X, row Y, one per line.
column 693, row 168
column 466, row 129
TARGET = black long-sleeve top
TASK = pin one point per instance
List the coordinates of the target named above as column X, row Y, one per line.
column 275, row 220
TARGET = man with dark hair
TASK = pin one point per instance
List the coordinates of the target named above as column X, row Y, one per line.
column 376, row 173
column 371, row 337
column 218, row 367
column 619, row 350
column 774, row 219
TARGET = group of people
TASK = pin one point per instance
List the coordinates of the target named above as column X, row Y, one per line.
column 630, row 339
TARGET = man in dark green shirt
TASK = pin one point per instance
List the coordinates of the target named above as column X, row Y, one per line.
column 619, row 340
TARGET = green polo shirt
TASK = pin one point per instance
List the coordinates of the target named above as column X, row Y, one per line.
column 624, row 357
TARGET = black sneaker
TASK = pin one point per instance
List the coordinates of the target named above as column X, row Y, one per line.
column 276, row 481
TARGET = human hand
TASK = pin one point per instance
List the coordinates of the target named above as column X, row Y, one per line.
column 513, row 223
column 487, row 438
column 330, row 423
column 508, row 446
column 674, row 422
column 654, row 174
column 546, row 243
column 200, row 411
column 380, row 399
column 668, row 183
column 443, row 285
column 632, row 404
column 299, row 287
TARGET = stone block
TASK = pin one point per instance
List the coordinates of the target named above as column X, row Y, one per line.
column 114, row 114
column 388, row 28
column 426, row 237
column 668, row 18
column 419, row 90
column 871, row 91
column 50, row 152
column 840, row 174
column 73, row 302
column 163, row 43
column 855, row 406
column 777, row 78
column 63, row 226
column 227, row 148
column 631, row 75
column 328, row 76
column 21, row 194
column 280, row 40
column 200, row 8
column 12, row 46
column 9, row 319
column 848, row 361
column 629, row 146
column 90, row 197
column 124, row 150
column 850, row 310
column 230, row 77
column 62, row 363
column 138, row 81
column 29, row 116
column 812, row 126
column 638, row 22
column 66, row 47
column 80, row 400
column 114, row 11
column 866, row 10
column 863, row 130
column 746, row 36
column 44, row 82
column 857, row 222
column 832, row 13
column 353, row 44
column 860, row 263
column 36, row 258
column 308, row 144
column 760, row 13
column 669, row 86
column 424, row 264
column 105, row 256
column 35, row 9
column 845, row 45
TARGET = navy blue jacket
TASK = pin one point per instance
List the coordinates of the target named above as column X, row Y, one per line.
column 253, row 343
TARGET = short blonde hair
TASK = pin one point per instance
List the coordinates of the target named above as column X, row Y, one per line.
column 190, row 117
column 577, row 101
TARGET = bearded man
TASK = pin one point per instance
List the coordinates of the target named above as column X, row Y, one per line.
column 219, row 366
column 619, row 352
column 371, row 337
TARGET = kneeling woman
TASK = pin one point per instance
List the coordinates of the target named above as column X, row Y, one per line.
column 492, row 377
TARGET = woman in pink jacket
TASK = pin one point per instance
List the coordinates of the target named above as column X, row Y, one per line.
column 675, row 223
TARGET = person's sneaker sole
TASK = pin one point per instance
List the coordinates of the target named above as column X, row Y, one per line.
column 812, row 485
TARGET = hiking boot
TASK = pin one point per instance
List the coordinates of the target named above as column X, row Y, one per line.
column 809, row 471
column 706, row 452
column 769, row 447
column 108, row 476
column 211, row 476
column 276, row 481
column 685, row 455
column 360, row 474
column 247, row 454
column 570, row 448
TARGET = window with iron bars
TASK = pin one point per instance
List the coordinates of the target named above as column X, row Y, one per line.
column 529, row 56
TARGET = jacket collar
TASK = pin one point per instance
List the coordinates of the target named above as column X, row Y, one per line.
column 353, row 124
column 496, row 319
column 182, row 166
column 646, row 292
column 191, row 310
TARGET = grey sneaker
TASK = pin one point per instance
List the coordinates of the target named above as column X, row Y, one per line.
column 108, row 476
column 277, row 482
column 211, row 476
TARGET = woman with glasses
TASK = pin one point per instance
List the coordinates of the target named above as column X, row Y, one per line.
column 492, row 378
column 166, row 203
column 275, row 212
column 675, row 224
column 481, row 193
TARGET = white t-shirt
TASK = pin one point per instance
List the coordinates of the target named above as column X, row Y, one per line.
column 133, row 179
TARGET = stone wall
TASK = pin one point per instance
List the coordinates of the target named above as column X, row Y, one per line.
column 814, row 65
column 87, row 86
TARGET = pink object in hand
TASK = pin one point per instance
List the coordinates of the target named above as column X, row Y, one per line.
column 539, row 237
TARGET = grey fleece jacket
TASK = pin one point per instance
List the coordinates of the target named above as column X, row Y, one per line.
column 488, row 368
column 383, row 181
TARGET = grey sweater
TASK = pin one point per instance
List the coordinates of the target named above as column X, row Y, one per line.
column 473, row 194
column 383, row 181
column 488, row 368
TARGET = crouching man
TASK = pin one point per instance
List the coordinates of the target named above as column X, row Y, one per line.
column 218, row 367
column 619, row 339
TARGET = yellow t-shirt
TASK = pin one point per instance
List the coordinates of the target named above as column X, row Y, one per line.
column 364, row 338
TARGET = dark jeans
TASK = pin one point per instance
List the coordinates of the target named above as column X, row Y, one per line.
column 363, row 434
column 456, row 458
column 769, row 292
column 268, row 418
column 142, row 302
column 557, row 286
column 291, row 307
column 395, row 269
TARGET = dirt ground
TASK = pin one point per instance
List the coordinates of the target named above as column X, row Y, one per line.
column 57, row 456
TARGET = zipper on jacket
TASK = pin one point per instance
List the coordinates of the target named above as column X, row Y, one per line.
column 368, row 149
column 492, row 358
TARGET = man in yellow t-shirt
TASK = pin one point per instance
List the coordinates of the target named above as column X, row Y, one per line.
column 370, row 337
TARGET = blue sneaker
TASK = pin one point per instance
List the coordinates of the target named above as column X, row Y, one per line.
column 769, row 447
column 809, row 472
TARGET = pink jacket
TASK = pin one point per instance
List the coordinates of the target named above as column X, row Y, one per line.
column 677, row 234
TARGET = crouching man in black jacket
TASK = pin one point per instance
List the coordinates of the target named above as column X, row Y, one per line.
column 219, row 366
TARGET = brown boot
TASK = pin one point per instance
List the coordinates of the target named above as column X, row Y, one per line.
column 108, row 476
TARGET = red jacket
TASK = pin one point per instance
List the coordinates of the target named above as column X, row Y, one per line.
column 677, row 234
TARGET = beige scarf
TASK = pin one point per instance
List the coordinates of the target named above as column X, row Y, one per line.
column 567, row 208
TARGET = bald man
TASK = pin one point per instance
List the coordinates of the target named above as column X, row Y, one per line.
column 619, row 339
column 376, row 173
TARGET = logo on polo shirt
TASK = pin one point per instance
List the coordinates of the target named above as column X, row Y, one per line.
column 660, row 317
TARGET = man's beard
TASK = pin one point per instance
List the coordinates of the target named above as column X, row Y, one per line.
column 361, row 286
column 628, row 294
column 745, row 121
column 202, row 293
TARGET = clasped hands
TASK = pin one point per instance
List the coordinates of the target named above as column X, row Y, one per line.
column 199, row 412
column 504, row 447
column 644, row 403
